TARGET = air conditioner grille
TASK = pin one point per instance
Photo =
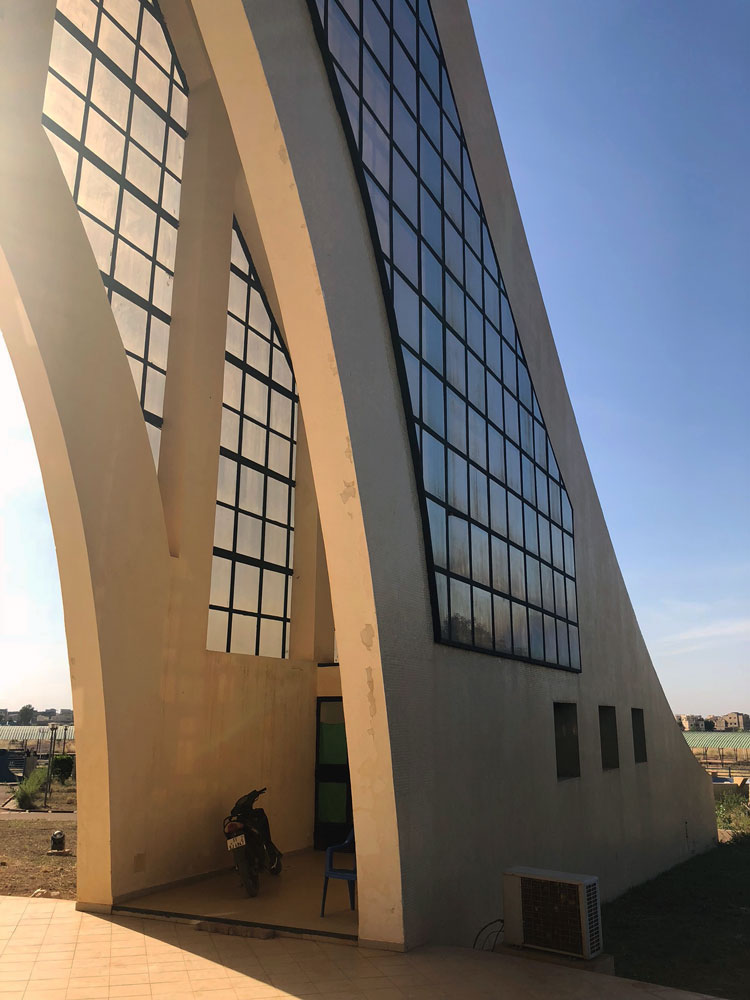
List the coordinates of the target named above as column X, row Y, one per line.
column 592, row 914
column 551, row 915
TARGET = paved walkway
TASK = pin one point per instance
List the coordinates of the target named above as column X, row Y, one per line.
column 50, row 951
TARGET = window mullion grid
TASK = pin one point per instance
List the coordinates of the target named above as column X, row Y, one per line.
column 488, row 261
column 264, row 503
column 444, row 167
column 361, row 78
column 87, row 98
column 157, row 231
column 286, row 625
column 483, row 303
column 120, row 194
column 238, row 479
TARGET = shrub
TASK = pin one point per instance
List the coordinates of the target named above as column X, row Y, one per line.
column 62, row 768
column 732, row 813
column 27, row 791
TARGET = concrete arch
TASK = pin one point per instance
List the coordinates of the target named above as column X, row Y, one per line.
column 317, row 320
column 89, row 435
column 134, row 549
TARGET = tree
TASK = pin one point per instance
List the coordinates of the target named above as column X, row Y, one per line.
column 26, row 715
column 710, row 725
column 62, row 767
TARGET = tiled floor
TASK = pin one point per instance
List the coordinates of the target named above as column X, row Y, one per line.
column 292, row 900
column 49, row 951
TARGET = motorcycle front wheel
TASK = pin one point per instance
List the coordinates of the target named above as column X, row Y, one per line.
column 249, row 874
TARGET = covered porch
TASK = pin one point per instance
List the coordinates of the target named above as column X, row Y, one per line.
column 289, row 903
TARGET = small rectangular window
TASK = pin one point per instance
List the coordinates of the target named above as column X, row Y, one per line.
column 639, row 736
column 566, row 740
column 608, row 737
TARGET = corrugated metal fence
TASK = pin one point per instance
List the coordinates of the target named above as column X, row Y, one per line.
column 29, row 733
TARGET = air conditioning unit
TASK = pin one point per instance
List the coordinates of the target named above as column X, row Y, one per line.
column 552, row 911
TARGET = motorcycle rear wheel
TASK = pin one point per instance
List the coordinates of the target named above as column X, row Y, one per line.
column 249, row 873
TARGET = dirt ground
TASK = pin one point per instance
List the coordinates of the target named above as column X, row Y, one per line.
column 24, row 865
column 61, row 798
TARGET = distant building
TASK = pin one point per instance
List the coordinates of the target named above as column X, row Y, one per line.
column 691, row 723
column 65, row 716
column 3, row 716
column 733, row 721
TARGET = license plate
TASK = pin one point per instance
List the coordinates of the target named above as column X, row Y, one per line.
column 238, row 841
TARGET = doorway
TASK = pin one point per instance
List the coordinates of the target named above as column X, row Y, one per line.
column 333, row 789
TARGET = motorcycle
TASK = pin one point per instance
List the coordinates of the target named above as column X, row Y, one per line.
column 248, row 837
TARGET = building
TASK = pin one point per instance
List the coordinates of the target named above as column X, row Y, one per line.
column 691, row 723
column 733, row 721
column 348, row 408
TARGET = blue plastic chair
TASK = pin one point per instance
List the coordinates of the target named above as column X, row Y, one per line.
column 348, row 874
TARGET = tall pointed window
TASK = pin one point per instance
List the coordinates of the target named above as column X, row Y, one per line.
column 115, row 110
column 498, row 521
column 251, row 579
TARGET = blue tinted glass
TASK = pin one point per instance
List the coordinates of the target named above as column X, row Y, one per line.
column 482, row 608
column 432, row 338
column 503, row 634
column 405, row 25
column 432, row 279
column 478, row 505
column 429, row 114
column 376, row 90
column 404, row 77
column 469, row 389
column 457, row 417
column 433, row 466
column 432, row 221
column 436, row 514
column 458, row 545
column 433, row 402
column 429, row 65
column 377, row 33
column 405, row 187
column 460, row 610
column 404, row 130
column 458, row 470
column 406, row 304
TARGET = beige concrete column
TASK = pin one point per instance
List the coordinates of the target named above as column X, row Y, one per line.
column 314, row 346
column 192, row 400
column 311, row 615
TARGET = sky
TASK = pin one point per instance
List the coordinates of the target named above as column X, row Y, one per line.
column 626, row 130
column 625, row 124
column 33, row 652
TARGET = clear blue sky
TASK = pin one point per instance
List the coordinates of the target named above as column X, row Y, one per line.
column 626, row 127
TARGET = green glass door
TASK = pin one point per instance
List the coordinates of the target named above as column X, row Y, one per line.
column 333, row 791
